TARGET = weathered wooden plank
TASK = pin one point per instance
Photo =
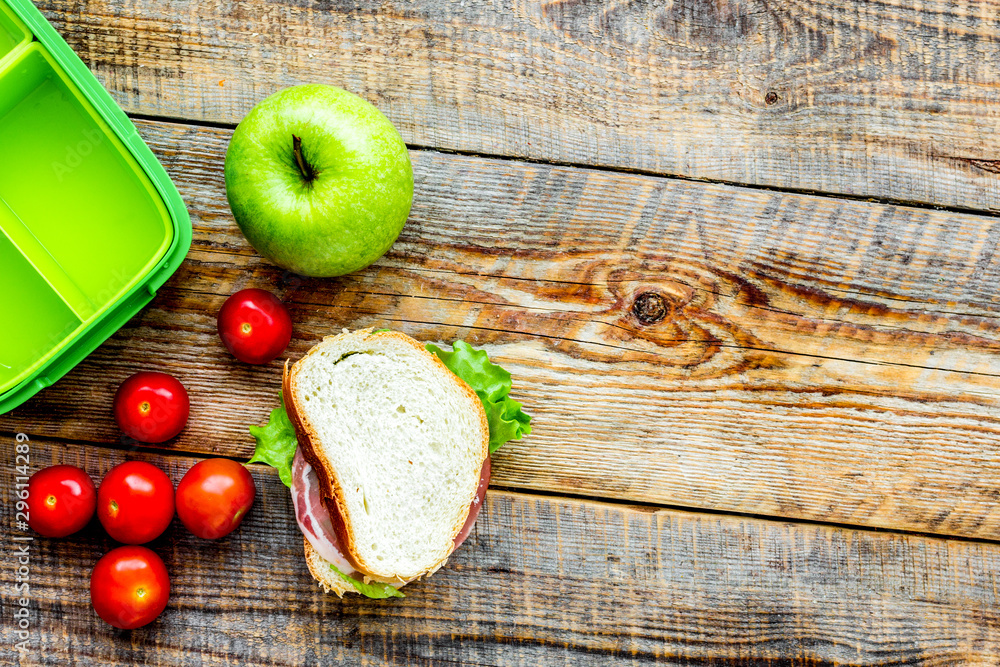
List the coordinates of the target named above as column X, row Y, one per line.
column 893, row 99
column 541, row 581
column 817, row 358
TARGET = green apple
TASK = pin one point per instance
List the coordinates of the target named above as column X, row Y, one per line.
column 319, row 181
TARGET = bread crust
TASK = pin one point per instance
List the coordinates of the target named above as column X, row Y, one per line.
column 321, row 572
column 330, row 489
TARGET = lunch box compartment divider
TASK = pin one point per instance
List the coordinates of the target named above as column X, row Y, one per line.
column 35, row 318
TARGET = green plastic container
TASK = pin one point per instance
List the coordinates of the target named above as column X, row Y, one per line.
column 90, row 224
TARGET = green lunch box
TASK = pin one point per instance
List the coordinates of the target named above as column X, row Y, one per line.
column 90, row 224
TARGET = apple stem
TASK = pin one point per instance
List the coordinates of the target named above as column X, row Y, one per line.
column 307, row 170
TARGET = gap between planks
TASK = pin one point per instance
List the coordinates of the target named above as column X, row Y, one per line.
column 171, row 120
column 154, row 450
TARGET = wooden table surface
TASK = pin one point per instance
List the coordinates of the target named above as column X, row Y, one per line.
column 741, row 257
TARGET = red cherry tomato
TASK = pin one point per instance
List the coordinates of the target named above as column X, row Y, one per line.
column 61, row 500
column 135, row 502
column 255, row 326
column 129, row 587
column 214, row 496
column 151, row 407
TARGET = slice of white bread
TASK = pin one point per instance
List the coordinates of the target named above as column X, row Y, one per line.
column 397, row 441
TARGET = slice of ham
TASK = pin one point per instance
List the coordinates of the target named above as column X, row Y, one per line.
column 477, row 503
column 314, row 518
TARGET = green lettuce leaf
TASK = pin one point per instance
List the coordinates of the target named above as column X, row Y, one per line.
column 374, row 590
column 492, row 385
column 276, row 443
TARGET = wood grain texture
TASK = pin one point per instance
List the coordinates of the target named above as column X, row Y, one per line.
column 541, row 581
column 895, row 100
column 817, row 359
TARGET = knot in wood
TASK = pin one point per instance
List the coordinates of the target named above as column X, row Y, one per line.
column 650, row 307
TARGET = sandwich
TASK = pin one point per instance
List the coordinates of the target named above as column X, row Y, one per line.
column 385, row 445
